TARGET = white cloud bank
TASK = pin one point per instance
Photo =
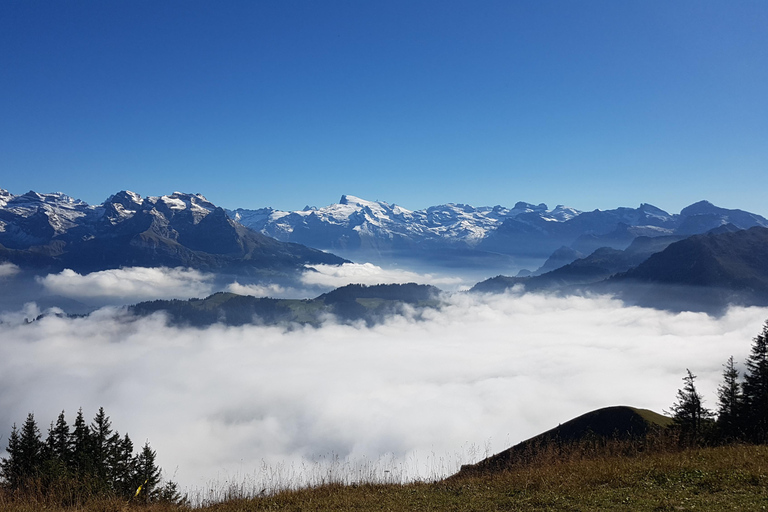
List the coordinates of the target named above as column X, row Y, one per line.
column 495, row 370
column 130, row 284
column 8, row 270
column 136, row 284
column 334, row 276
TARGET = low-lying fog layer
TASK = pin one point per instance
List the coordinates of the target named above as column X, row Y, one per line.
column 483, row 371
column 78, row 293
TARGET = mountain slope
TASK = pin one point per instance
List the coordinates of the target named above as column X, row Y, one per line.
column 701, row 272
column 358, row 228
column 596, row 267
column 607, row 424
column 54, row 231
column 349, row 303
column 710, row 270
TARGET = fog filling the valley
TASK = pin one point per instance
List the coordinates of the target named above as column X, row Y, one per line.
column 485, row 371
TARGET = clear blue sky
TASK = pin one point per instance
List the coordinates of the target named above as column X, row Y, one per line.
column 283, row 103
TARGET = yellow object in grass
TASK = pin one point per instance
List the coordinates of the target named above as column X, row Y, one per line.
column 139, row 489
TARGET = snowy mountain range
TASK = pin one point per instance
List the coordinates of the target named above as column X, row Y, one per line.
column 57, row 231
column 361, row 224
column 54, row 231
column 451, row 233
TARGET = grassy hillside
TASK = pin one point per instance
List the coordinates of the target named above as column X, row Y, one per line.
column 595, row 431
column 712, row 479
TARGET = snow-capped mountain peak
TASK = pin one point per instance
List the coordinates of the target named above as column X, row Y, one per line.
column 376, row 224
column 5, row 196
column 561, row 213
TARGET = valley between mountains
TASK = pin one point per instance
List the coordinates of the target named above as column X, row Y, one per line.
column 270, row 338
column 703, row 258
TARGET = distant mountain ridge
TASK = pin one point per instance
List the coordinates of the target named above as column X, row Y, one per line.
column 703, row 272
column 350, row 303
column 356, row 227
column 355, row 223
column 54, row 231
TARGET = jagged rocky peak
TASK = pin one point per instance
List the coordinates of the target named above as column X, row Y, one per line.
column 183, row 201
column 561, row 213
column 54, row 198
column 5, row 196
column 125, row 198
column 521, row 205
column 348, row 200
column 31, row 197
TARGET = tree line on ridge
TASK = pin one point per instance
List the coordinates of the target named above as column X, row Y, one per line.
column 82, row 461
column 742, row 403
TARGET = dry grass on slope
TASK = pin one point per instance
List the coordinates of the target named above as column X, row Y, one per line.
column 711, row 479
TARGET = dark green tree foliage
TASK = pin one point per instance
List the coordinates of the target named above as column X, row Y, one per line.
column 30, row 448
column 92, row 458
column 147, row 474
column 122, row 465
column 689, row 413
column 80, row 443
column 57, row 444
column 756, row 389
column 10, row 468
column 101, row 444
column 56, row 452
column 729, row 404
column 742, row 407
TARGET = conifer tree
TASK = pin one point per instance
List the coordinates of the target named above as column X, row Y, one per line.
column 756, row 389
column 689, row 413
column 729, row 403
column 30, row 448
column 147, row 474
column 57, row 455
column 81, row 445
column 101, row 438
column 10, row 467
column 91, row 458
column 58, row 440
column 122, row 465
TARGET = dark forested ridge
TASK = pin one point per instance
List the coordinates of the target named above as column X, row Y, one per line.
column 349, row 303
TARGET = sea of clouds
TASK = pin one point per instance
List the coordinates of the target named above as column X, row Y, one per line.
column 136, row 284
column 222, row 403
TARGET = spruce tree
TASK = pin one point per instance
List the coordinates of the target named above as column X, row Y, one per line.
column 57, row 455
column 756, row 389
column 689, row 414
column 147, row 474
column 58, row 440
column 729, row 403
column 30, row 448
column 122, row 465
column 91, row 459
column 101, row 438
column 10, row 467
column 81, row 443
